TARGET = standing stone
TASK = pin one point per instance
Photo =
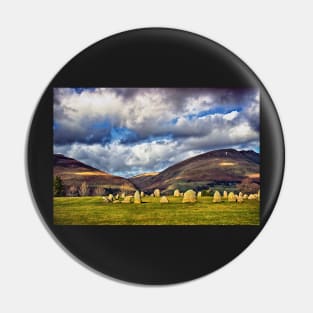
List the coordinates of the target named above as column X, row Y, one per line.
column 217, row 196
column 110, row 197
column 105, row 199
column 181, row 194
column 251, row 197
column 176, row 193
column 152, row 195
column 189, row 196
column 245, row 196
column 123, row 195
column 163, row 200
column 142, row 194
column 231, row 197
column 127, row 199
column 157, row 192
column 240, row 194
column 117, row 196
column 240, row 198
column 225, row 195
column 199, row 194
column 137, row 198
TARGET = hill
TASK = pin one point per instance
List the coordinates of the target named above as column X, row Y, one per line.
column 226, row 166
column 143, row 180
column 74, row 172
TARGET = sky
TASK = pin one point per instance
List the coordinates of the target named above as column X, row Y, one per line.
column 129, row 131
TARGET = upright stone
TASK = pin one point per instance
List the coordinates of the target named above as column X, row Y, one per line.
column 123, row 195
column 117, row 196
column 152, row 195
column 110, row 197
column 189, row 196
column 127, row 199
column 105, row 199
column 176, row 193
column 240, row 198
column 245, row 196
column 199, row 194
column 231, row 197
column 163, row 200
column 137, row 198
column 251, row 197
column 217, row 197
column 142, row 194
column 157, row 192
column 240, row 194
column 225, row 195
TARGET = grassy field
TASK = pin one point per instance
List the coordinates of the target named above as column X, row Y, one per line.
column 93, row 211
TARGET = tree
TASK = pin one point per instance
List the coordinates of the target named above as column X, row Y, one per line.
column 72, row 191
column 205, row 193
column 99, row 191
column 58, row 187
column 248, row 186
column 84, row 189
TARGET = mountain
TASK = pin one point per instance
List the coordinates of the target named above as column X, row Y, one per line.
column 142, row 180
column 226, row 166
column 73, row 172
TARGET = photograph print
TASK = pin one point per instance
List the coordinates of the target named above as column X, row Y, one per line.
column 156, row 156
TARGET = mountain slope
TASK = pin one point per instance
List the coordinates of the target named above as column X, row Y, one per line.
column 143, row 180
column 220, row 166
column 74, row 172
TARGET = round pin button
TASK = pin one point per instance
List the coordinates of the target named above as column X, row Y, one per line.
column 155, row 156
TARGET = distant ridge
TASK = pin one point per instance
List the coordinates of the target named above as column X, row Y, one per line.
column 146, row 174
column 74, row 172
column 218, row 166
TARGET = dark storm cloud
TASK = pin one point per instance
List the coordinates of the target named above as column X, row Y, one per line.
column 179, row 96
column 126, row 93
column 81, row 135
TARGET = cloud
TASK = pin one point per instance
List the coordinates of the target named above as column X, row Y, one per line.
column 124, row 160
column 131, row 130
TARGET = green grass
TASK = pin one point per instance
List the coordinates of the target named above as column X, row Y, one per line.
column 93, row 211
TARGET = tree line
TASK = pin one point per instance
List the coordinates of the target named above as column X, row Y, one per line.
column 60, row 190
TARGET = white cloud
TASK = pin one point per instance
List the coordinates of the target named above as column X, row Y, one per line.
column 144, row 113
column 120, row 159
column 230, row 116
